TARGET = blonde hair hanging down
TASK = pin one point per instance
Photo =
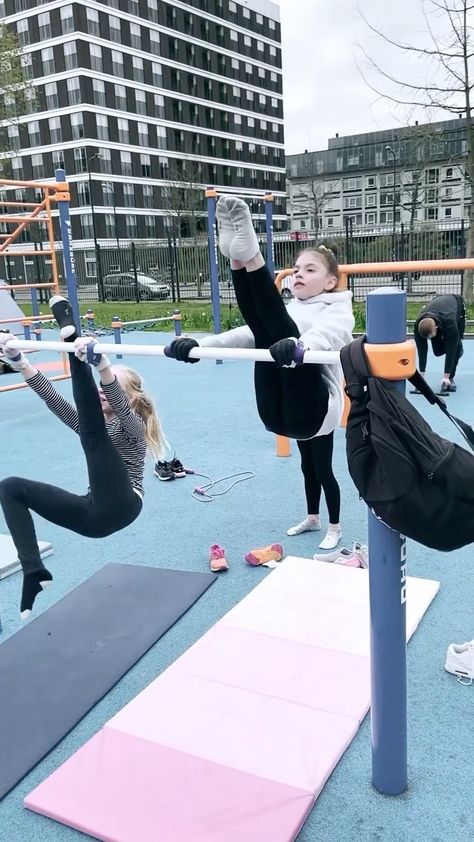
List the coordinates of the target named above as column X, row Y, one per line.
column 142, row 404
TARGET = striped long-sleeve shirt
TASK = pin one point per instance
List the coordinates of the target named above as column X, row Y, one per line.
column 125, row 428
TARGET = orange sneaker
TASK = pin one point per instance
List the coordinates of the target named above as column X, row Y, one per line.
column 274, row 552
column 217, row 560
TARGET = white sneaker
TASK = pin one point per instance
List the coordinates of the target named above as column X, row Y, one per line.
column 331, row 539
column 460, row 661
column 306, row 525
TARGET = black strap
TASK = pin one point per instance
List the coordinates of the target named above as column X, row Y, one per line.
column 421, row 385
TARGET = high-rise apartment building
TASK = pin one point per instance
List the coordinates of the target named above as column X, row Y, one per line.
column 137, row 97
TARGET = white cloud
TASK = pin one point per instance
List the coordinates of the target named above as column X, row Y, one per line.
column 324, row 92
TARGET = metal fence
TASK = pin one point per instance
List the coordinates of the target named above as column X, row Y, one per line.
column 178, row 270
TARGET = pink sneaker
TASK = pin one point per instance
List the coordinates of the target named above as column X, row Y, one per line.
column 217, row 560
column 273, row 552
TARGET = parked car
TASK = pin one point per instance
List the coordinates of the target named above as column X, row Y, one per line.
column 121, row 286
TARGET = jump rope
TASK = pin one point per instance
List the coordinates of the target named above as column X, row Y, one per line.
column 205, row 494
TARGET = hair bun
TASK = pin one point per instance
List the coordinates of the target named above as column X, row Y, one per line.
column 329, row 246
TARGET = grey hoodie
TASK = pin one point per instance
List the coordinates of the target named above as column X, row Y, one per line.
column 325, row 323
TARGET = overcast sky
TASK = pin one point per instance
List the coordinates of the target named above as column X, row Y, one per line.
column 323, row 89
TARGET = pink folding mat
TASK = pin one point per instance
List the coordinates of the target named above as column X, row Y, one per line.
column 236, row 739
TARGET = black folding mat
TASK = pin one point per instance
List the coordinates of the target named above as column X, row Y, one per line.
column 55, row 669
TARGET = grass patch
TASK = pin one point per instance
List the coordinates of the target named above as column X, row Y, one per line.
column 197, row 316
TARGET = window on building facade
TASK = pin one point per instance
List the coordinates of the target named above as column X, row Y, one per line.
column 74, row 90
column 105, row 161
column 123, row 131
column 83, row 194
column 120, row 97
column 159, row 105
column 147, row 196
column 153, row 10
column 57, row 156
column 102, row 127
column 22, row 31
column 37, row 166
column 115, row 30
column 137, row 65
column 129, row 195
column 51, row 95
column 34, row 134
column 44, row 26
column 155, row 45
column 109, row 222
column 126, row 163
column 140, row 102
column 87, row 228
column 131, row 225
column 96, row 58
column 77, row 126
column 70, row 55
column 145, row 164
column 98, row 88
column 47, row 58
column 157, row 74
column 93, row 26
column 108, row 193
column 161, row 137
column 80, row 160
column 117, row 63
column 13, row 137
column 55, row 132
column 143, row 134
column 136, row 36
column 67, row 19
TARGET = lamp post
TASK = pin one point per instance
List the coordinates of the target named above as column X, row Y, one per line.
column 394, row 206
column 100, row 285
column 111, row 190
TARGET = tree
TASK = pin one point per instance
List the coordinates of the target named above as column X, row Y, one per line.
column 184, row 198
column 312, row 193
column 16, row 90
column 448, row 56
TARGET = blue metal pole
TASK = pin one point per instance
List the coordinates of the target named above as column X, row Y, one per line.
column 213, row 260
column 177, row 323
column 268, row 199
column 68, row 254
column 36, row 312
column 117, row 329
column 386, row 323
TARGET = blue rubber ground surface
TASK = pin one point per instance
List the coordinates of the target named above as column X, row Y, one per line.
column 209, row 414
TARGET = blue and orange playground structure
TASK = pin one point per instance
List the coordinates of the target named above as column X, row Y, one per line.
column 391, row 357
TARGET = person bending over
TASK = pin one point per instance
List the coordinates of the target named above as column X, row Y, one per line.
column 443, row 321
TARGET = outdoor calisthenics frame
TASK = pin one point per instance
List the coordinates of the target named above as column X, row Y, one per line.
column 386, row 319
column 54, row 194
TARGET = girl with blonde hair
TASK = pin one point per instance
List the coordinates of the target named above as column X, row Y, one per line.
column 116, row 422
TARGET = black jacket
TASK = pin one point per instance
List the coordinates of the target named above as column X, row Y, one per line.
column 448, row 313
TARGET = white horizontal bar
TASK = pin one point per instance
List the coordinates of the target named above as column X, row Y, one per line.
column 252, row 354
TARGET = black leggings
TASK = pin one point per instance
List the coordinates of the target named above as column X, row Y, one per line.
column 111, row 503
column 291, row 402
column 316, row 464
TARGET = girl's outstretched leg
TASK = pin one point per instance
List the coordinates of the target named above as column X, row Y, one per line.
column 239, row 242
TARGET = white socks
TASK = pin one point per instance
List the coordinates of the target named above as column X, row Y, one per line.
column 332, row 538
column 306, row 525
column 237, row 237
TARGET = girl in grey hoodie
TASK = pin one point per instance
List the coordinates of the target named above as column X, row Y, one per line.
column 303, row 402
